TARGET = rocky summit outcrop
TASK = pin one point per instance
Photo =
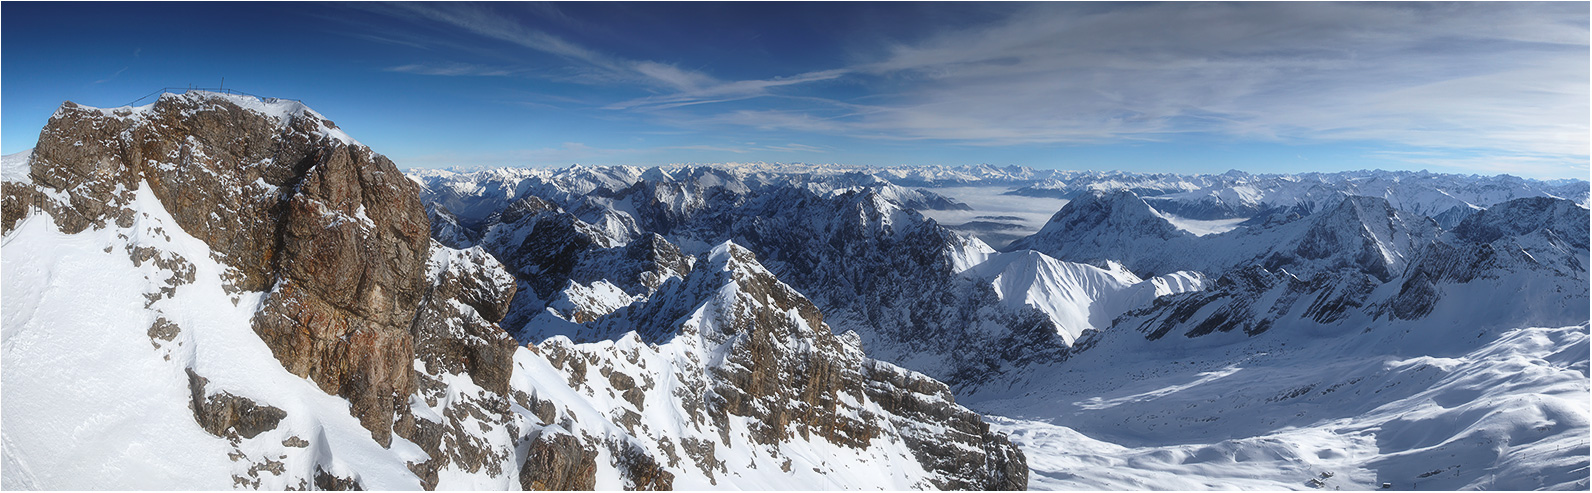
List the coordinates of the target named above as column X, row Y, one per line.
column 285, row 199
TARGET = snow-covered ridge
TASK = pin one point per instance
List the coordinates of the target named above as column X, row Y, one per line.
column 282, row 111
column 1076, row 297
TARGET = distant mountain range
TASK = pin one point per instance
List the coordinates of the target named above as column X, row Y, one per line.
column 216, row 291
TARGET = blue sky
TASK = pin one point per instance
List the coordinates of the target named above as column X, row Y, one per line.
column 1180, row 87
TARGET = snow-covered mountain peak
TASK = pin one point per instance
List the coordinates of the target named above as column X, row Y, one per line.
column 1522, row 216
column 1121, row 210
column 1366, row 232
column 1076, row 297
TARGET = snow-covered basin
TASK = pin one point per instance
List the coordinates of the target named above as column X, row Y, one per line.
column 1510, row 414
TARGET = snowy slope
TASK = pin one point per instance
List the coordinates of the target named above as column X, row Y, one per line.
column 14, row 167
column 93, row 382
column 1511, row 414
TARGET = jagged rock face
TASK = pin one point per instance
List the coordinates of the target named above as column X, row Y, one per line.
column 646, row 263
column 540, row 243
column 573, row 267
column 285, row 200
column 1524, row 216
column 973, row 457
column 607, row 279
column 456, row 330
column 200, row 155
column 460, row 347
column 759, row 353
column 445, row 228
column 1361, row 232
column 890, row 275
column 1254, row 300
column 559, row 462
column 353, row 246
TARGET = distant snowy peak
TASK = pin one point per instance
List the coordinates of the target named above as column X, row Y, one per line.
column 1362, row 232
column 1118, row 210
column 1563, row 218
column 1239, row 194
column 1113, row 226
column 1076, row 297
column 911, row 198
column 1352, row 232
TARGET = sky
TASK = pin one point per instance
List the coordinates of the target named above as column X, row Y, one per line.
column 1483, row 88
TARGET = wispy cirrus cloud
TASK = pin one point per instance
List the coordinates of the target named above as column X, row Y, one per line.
column 112, row 77
column 1467, row 79
column 1506, row 77
column 451, row 69
column 483, row 20
column 719, row 92
column 675, row 86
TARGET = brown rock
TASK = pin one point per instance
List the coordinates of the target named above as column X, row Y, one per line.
column 559, row 462
column 229, row 416
column 640, row 471
column 451, row 340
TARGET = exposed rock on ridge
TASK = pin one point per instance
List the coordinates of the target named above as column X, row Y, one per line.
column 758, row 351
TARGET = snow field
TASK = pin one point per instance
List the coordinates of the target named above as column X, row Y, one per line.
column 1512, row 414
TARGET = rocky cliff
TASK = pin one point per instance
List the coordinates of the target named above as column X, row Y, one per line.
column 282, row 197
